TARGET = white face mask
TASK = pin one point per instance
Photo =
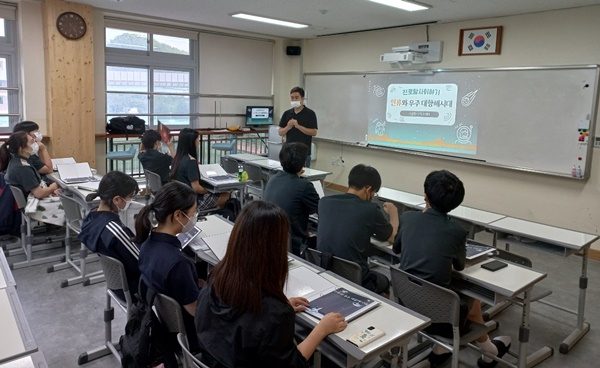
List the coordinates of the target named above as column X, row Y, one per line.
column 296, row 104
column 127, row 204
column 190, row 224
column 38, row 136
column 34, row 148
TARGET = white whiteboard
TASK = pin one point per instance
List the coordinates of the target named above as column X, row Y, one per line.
column 523, row 118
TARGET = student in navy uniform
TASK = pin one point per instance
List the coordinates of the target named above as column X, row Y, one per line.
column 348, row 221
column 102, row 231
column 243, row 318
column 296, row 195
column 431, row 245
column 165, row 268
column 152, row 159
column 185, row 169
column 299, row 124
column 41, row 161
column 15, row 159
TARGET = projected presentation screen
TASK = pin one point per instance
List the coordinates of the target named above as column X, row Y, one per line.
column 427, row 117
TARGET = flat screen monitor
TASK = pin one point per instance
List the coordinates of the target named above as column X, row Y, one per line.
column 259, row 115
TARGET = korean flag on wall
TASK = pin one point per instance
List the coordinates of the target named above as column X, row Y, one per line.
column 480, row 41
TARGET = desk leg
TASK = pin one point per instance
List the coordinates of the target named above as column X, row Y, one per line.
column 582, row 326
column 524, row 330
column 527, row 361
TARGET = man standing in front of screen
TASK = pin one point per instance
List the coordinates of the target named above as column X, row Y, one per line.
column 299, row 124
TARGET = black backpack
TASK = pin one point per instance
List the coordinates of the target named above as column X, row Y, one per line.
column 231, row 209
column 146, row 342
column 126, row 125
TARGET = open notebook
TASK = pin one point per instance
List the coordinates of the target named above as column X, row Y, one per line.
column 325, row 297
column 76, row 173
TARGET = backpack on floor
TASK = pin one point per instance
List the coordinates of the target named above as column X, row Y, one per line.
column 146, row 342
column 231, row 210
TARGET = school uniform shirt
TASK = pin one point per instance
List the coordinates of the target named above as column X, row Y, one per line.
column 346, row 225
column 21, row 174
column 430, row 245
column 157, row 162
column 167, row 270
column 298, row 198
column 307, row 118
column 103, row 232
column 232, row 338
column 36, row 162
column 188, row 172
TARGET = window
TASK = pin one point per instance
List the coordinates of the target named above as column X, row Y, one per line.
column 154, row 83
column 9, row 86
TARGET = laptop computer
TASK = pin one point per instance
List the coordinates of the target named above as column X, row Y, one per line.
column 76, row 173
column 58, row 161
column 214, row 172
column 477, row 250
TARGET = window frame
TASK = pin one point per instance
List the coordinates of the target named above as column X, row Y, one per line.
column 155, row 60
column 9, row 51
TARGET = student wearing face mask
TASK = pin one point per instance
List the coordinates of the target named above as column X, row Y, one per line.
column 15, row 160
column 40, row 159
column 299, row 124
column 165, row 268
column 102, row 231
column 153, row 158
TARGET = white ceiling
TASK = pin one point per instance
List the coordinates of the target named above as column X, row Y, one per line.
column 325, row 16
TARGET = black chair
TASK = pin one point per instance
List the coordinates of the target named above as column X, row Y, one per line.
column 349, row 270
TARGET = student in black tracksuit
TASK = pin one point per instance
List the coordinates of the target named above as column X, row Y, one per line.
column 103, row 232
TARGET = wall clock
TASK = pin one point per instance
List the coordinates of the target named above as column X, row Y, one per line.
column 71, row 25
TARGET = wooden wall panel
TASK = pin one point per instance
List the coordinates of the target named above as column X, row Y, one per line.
column 69, row 84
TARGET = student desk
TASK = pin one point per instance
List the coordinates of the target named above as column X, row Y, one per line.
column 243, row 157
column 405, row 199
column 15, row 334
column 6, row 276
column 472, row 219
column 269, row 166
column 35, row 360
column 507, row 283
column 558, row 241
column 220, row 186
column 398, row 323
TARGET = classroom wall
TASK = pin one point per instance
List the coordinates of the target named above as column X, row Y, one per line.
column 31, row 55
column 566, row 37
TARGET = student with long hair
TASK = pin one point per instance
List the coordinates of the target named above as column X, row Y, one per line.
column 102, row 231
column 243, row 318
column 165, row 268
column 185, row 169
column 15, row 159
column 41, row 160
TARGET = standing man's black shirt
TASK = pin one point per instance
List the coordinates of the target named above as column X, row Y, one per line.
column 307, row 118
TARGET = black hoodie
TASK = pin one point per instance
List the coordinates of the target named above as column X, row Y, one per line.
column 103, row 232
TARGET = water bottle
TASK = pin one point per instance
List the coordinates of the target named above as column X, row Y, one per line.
column 240, row 172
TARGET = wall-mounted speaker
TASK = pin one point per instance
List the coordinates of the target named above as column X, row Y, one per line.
column 293, row 50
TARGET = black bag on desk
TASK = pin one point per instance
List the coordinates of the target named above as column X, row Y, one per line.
column 126, row 125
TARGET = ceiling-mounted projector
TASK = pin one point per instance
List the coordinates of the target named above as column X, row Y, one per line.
column 415, row 53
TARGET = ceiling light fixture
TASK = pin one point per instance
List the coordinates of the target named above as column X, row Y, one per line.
column 404, row 5
column 269, row 20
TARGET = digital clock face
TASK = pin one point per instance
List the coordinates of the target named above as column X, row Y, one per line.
column 71, row 25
